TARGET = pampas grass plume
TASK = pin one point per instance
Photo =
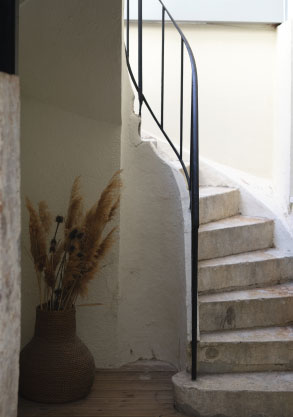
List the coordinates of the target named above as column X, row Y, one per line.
column 37, row 238
column 72, row 263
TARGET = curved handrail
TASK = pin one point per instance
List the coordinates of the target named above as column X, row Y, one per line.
column 159, row 125
column 193, row 177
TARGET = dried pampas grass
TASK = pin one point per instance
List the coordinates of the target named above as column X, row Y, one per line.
column 45, row 216
column 65, row 271
column 75, row 207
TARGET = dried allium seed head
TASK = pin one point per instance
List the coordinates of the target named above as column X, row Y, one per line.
column 73, row 234
column 71, row 249
column 59, row 219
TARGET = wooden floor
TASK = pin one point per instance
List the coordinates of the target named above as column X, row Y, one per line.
column 139, row 391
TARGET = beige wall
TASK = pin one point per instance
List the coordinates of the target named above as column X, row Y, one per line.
column 70, row 70
column 57, row 146
column 236, row 70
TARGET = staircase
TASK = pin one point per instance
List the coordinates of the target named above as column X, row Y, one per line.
column 245, row 353
column 241, row 290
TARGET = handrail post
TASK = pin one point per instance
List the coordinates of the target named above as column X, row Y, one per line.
column 193, row 177
column 140, row 94
column 181, row 97
column 127, row 31
column 194, row 194
column 163, row 67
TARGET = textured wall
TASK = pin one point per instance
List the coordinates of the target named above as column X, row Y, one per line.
column 70, row 71
column 74, row 122
column 152, row 310
column 9, row 244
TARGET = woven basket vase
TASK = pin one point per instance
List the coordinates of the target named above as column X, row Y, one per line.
column 55, row 366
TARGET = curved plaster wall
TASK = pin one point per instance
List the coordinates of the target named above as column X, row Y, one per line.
column 152, row 312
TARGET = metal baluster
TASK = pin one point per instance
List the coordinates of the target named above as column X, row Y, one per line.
column 193, row 178
column 181, row 97
column 140, row 55
column 163, row 68
column 127, row 31
column 194, row 195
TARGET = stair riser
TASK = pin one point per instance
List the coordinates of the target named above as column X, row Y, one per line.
column 232, row 403
column 245, row 357
column 219, row 206
column 233, row 240
column 239, row 276
column 241, row 314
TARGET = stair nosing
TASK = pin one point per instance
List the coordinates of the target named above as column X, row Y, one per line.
column 205, row 298
column 259, row 381
column 252, row 331
column 255, row 221
column 211, row 263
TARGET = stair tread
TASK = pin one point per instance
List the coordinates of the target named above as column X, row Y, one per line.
column 276, row 291
column 232, row 222
column 205, row 192
column 248, row 381
column 246, row 257
column 262, row 334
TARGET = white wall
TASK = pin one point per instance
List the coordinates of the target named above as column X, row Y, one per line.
column 152, row 313
column 77, row 119
column 69, row 58
column 70, row 70
column 237, row 71
column 57, row 146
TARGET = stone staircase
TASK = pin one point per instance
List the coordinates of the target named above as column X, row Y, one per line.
column 245, row 354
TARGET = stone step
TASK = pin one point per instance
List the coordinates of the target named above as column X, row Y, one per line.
column 250, row 269
column 235, row 395
column 217, row 203
column 234, row 235
column 248, row 350
column 259, row 307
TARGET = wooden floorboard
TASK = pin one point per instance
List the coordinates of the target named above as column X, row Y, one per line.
column 127, row 392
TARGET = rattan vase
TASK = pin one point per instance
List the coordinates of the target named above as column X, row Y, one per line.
column 55, row 366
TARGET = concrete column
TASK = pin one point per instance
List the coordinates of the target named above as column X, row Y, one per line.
column 9, row 244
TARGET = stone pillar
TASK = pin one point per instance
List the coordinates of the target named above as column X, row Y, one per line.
column 9, row 244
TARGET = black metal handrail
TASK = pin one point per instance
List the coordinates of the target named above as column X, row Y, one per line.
column 193, row 177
